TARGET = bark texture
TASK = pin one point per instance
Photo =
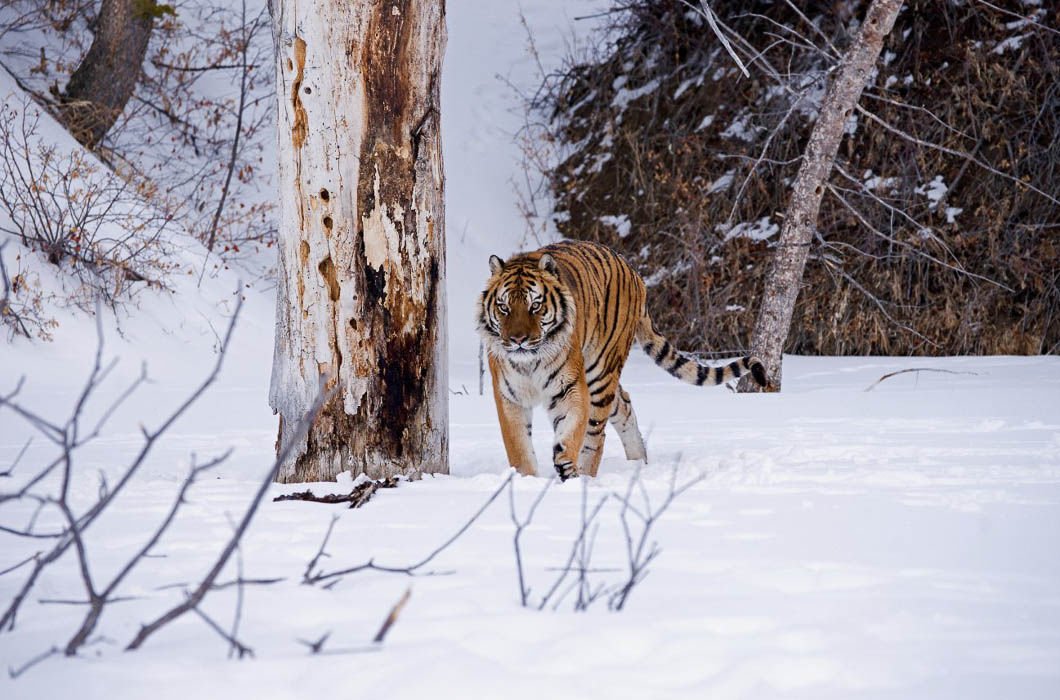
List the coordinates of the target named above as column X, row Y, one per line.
column 362, row 248
column 107, row 76
column 800, row 222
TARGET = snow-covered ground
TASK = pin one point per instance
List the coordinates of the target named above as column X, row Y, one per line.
column 896, row 543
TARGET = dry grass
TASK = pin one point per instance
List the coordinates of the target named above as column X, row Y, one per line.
column 646, row 129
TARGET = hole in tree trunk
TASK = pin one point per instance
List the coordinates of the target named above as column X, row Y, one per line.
column 327, row 222
column 327, row 271
column 325, row 195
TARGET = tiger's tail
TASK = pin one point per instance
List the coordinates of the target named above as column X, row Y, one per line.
column 690, row 370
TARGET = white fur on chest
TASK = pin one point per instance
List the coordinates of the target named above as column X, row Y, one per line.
column 525, row 381
column 526, row 387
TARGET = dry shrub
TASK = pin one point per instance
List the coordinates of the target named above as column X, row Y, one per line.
column 22, row 303
column 198, row 129
column 80, row 217
column 672, row 158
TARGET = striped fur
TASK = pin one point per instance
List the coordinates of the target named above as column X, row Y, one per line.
column 558, row 324
column 688, row 369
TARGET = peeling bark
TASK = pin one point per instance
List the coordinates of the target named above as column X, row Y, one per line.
column 785, row 276
column 362, row 249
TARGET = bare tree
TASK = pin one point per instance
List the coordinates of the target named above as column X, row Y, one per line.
column 800, row 221
column 107, row 76
column 362, row 256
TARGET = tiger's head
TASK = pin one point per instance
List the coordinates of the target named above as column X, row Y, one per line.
column 525, row 312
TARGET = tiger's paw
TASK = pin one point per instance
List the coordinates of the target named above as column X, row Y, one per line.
column 566, row 470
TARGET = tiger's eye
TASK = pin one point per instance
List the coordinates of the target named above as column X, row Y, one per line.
column 535, row 307
column 503, row 308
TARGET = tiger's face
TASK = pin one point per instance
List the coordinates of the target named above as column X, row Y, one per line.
column 525, row 308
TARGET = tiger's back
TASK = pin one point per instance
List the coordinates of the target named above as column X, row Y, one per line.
column 609, row 297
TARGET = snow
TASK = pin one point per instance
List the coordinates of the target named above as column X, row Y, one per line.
column 663, row 272
column 741, row 128
column 898, row 542
column 623, row 96
column 759, row 230
column 873, row 182
column 487, row 68
column 705, row 122
column 722, row 183
column 934, row 191
column 1012, row 43
column 620, row 223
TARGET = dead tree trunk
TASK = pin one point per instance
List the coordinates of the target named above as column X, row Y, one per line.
column 361, row 296
column 107, row 76
column 785, row 277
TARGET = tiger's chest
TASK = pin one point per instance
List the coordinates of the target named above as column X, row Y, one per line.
column 529, row 384
column 522, row 384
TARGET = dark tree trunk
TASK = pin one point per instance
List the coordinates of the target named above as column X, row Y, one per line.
column 785, row 277
column 102, row 85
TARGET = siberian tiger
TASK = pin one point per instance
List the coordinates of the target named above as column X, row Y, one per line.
column 557, row 324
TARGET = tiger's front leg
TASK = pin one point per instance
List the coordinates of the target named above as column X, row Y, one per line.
column 516, row 424
column 568, row 408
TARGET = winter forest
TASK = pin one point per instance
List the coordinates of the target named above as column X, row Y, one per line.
column 537, row 348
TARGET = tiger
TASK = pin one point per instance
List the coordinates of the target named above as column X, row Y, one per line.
column 557, row 325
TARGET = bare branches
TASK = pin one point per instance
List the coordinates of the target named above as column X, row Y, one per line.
column 233, row 158
column 576, row 547
column 195, row 597
column 313, row 576
column 962, row 185
column 16, row 314
column 712, row 20
column 638, row 552
column 637, row 521
column 1024, row 183
column 69, row 439
column 520, row 525
column 19, row 565
column 237, row 646
column 98, row 600
column 315, row 647
column 78, row 215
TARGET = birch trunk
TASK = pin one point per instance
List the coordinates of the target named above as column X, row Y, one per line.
column 785, row 276
column 361, row 299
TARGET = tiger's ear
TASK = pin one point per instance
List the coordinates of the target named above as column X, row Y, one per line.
column 496, row 264
column 547, row 263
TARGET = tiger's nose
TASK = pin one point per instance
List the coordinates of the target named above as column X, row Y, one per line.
column 518, row 339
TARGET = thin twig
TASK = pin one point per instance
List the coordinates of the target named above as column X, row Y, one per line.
column 411, row 570
column 392, row 617
column 872, row 386
column 520, row 525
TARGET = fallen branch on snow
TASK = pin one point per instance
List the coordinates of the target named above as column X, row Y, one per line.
column 360, row 494
column 915, row 369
